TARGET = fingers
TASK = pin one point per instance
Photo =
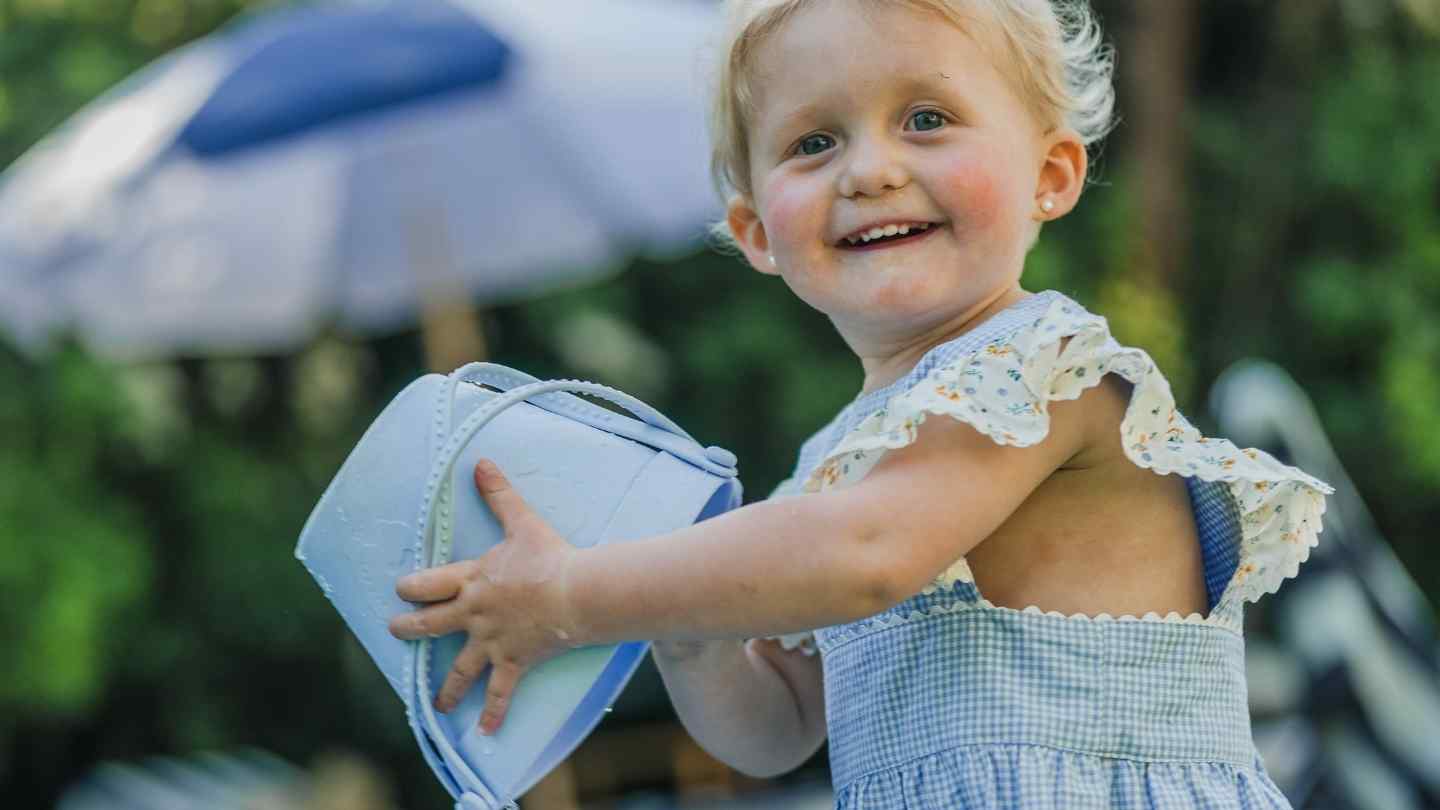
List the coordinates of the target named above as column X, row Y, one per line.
column 430, row 622
column 463, row 674
column 766, row 648
column 436, row 584
column 497, row 695
column 507, row 504
column 788, row 662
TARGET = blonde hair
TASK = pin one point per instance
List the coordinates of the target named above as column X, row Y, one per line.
column 1064, row 72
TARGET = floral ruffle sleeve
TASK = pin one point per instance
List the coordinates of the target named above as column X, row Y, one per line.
column 1004, row 390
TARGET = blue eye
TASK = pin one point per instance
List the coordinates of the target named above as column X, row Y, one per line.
column 817, row 141
column 924, row 118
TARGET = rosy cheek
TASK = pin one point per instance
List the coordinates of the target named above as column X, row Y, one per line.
column 974, row 192
column 785, row 212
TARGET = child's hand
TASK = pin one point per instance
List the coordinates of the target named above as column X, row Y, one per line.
column 794, row 665
column 511, row 602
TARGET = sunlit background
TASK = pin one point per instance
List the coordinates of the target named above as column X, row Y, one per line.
column 192, row 339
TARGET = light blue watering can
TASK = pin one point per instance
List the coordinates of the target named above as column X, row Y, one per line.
column 405, row 500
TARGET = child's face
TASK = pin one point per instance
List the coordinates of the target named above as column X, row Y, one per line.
column 876, row 115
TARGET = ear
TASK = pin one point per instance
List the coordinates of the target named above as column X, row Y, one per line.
column 749, row 233
column 1062, row 174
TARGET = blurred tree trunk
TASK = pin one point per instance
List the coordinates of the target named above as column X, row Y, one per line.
column 1159, row 85
column 1142, row 299
column 1271, row 198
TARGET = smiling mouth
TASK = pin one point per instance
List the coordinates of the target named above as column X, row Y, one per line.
column 892, row 241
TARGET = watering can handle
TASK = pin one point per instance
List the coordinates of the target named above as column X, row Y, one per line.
column 506, row 378
column 653, row 427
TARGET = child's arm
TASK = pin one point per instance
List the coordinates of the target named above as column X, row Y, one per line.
column 792, row 564
column 772, row 567
column 753, row 705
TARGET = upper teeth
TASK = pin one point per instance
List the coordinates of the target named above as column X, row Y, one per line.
column 888, row 230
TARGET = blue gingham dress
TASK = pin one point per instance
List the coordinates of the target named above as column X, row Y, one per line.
column 949, row 701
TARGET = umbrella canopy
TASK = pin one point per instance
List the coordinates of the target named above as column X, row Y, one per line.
column 345, row 163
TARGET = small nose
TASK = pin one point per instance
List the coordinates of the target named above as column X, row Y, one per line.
column 871, row 170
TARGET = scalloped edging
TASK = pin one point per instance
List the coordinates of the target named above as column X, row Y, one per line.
column 844, row 634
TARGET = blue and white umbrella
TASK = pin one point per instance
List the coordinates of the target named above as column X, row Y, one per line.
column 343, row 163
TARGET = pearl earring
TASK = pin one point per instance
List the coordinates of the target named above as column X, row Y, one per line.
column 772, row 261
column 1048, row 205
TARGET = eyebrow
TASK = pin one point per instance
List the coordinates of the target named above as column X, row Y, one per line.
column 795, row 117
column 936, row 80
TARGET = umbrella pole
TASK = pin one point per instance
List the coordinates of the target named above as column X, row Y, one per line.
column 452, row 335
column 449, row 320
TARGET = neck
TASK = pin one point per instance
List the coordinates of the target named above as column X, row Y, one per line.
column 887, row 363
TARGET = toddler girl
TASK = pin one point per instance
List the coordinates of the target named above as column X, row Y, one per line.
column 1024, row 570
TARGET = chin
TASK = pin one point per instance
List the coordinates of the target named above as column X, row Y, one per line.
column 909, row 297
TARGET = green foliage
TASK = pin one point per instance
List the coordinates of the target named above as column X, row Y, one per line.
column 74, row 555
column 56, row 55
column 1371, row 273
